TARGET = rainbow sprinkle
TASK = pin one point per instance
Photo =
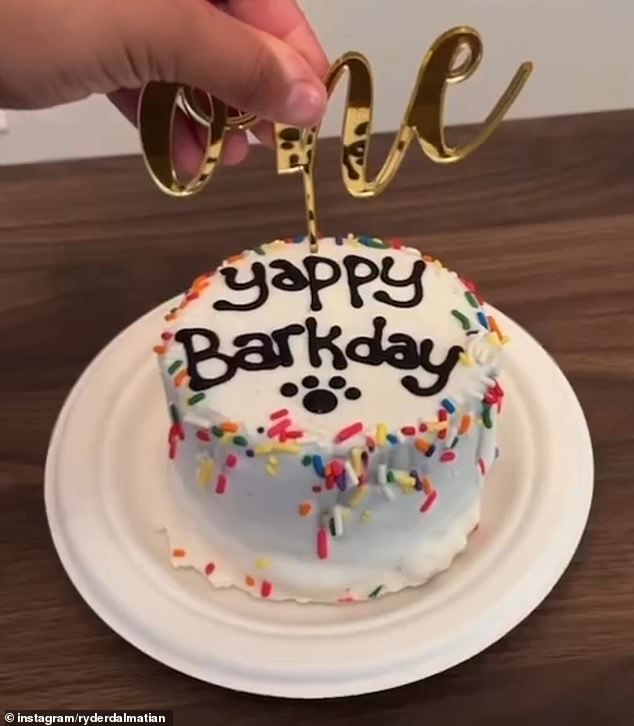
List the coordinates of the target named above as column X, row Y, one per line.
column 349, row 432
column 462, row 319
column 222, row 484
column 323, row 543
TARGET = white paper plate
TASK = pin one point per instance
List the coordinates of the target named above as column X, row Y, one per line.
column 106, row 464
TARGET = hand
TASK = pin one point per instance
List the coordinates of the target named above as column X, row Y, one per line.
column 259, row 56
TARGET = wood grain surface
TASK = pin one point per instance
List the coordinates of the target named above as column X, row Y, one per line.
column 542, row 217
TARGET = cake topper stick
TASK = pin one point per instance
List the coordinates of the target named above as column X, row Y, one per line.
column 452, row 58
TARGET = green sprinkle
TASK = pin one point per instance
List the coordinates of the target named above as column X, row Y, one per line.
column 486, row 417
column 174, row 414
column 307, row 460
column 454, row 443
column 217, row 431
column 240, row 441
column 462, row 319
column 376, row 592
column 390, row 476
column 331, row 526
column 471, row 300
column 174, row 367
column 259, row 251
column 197, row 398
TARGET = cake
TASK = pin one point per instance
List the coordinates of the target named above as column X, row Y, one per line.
column 332, row 418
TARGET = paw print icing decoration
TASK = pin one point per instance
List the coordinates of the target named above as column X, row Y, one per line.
column 321, row 399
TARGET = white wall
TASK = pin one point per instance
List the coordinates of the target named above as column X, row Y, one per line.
column 581, row 49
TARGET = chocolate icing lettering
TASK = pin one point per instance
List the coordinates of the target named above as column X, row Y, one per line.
column 194, row 357
column 281, row 337
column 312, row 263
column 257, row 281
column 320, row 273
column 267, row 357
column 317, row 343
column 355, row 280
column 415, row 279
column 441, row 370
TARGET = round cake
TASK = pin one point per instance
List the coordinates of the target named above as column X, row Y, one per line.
column 332, row 418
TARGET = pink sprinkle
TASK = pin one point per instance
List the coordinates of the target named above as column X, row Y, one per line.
column 266, row 588
column 166, row 336
column 482, row 466
column 317, row 489
column 442, row 415
column 427, row 504
column 408, row 431
column 231, row 461
column 210, row 568
column 203, row 435
column 279, row 414
column 370, row 443
column 278, row 428
column 330, row 481
column 173, row 448
column 422, row 428
column 223, row 482
column 448, row 456
column 349, row 432
column 323, row 543
column 293, row 434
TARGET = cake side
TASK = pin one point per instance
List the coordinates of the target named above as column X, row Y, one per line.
column 332, row 417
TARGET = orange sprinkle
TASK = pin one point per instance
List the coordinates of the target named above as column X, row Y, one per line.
column 250, row 581
column 305, row 509
column 159, row 349
column 494, row 326
column 201, row 279
column 427, row 485
column 229, row 426
column 235, row 258
column 422, row 445
column 180, row 378
column 465, row 425
column 179, row 553
column 202, row 286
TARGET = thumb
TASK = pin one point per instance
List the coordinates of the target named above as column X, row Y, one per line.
column 196, row 44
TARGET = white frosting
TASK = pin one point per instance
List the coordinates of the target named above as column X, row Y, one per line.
column 263, row 525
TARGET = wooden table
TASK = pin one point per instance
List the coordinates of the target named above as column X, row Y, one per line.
column 542, row 217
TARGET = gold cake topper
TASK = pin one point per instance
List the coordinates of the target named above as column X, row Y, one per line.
column 452, row 58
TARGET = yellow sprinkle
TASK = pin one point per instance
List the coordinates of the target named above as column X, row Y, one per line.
column 505, row 339
column 360, row 493
column 381, row 434
column 367, row 515
column 273, row 460
column 271, row 471
column 494, row 339
column 286, row 448
column 276, row 243
column 405, row 480
column 466, row 359
column 264, row 449
column 357, row 463
column 206, row 471
column 427, row 485
column 262, row 563
column 438, row 426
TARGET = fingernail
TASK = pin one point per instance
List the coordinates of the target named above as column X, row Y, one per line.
column 305, row 104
